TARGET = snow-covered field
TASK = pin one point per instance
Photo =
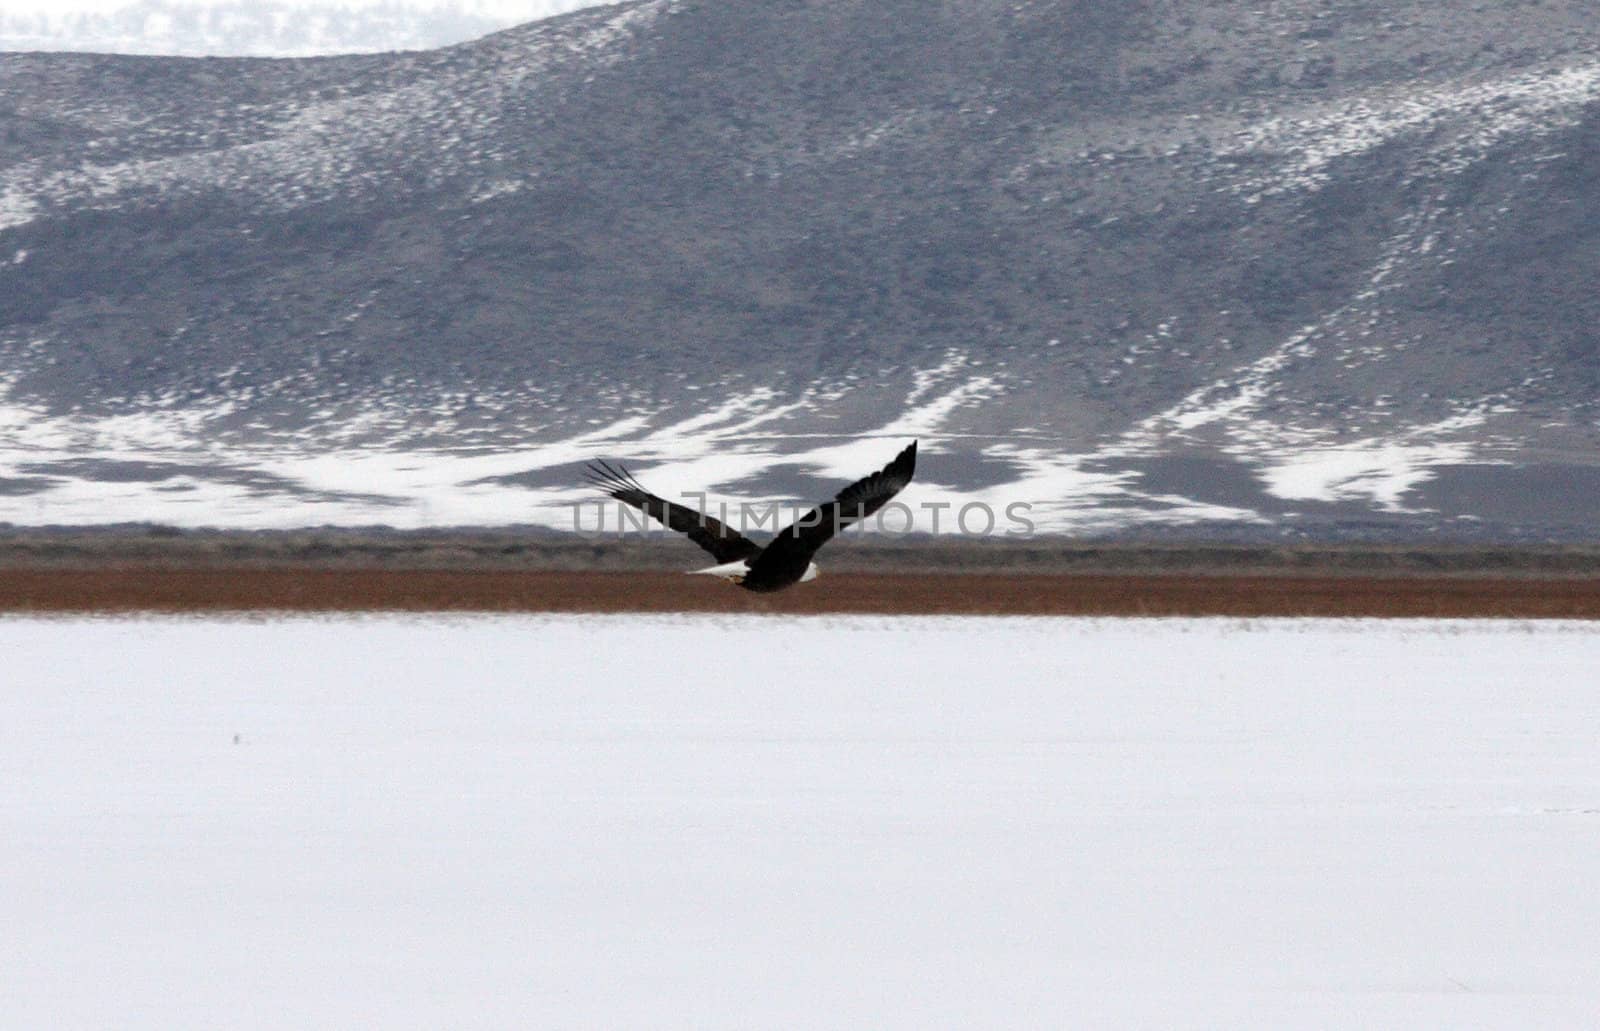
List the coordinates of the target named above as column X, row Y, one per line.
column 407, row 822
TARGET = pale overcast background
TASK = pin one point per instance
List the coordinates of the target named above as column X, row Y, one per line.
column 261, row 28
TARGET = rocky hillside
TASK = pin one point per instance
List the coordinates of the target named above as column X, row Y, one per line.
column 1313, row 268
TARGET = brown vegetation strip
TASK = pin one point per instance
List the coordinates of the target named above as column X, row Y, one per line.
column 433, row 590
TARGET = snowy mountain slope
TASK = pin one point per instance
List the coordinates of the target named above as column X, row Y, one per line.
column 1318, row 269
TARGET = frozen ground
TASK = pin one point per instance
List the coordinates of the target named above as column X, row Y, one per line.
column 712, row 822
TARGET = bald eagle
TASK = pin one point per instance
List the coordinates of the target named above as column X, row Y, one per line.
column 786, row 559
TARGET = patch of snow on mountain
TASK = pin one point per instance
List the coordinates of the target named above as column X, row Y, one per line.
column 176, row 465
column 16, row 208
column 1483, row 114
column 1381, row 470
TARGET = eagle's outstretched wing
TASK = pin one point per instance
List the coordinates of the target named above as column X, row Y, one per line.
column 797, row 542
column 724, row 543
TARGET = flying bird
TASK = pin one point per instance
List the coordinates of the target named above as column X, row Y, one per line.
column 786, row 559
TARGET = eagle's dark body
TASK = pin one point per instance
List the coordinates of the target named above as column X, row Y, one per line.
column 786, row 559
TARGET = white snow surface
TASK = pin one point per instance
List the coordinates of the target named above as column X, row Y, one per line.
column 489, row 822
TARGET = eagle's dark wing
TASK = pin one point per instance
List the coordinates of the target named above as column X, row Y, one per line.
column 798, row 541
column 724, row 543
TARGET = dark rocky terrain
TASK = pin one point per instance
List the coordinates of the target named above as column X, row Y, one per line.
column 1310, row 269
column 529, row 549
